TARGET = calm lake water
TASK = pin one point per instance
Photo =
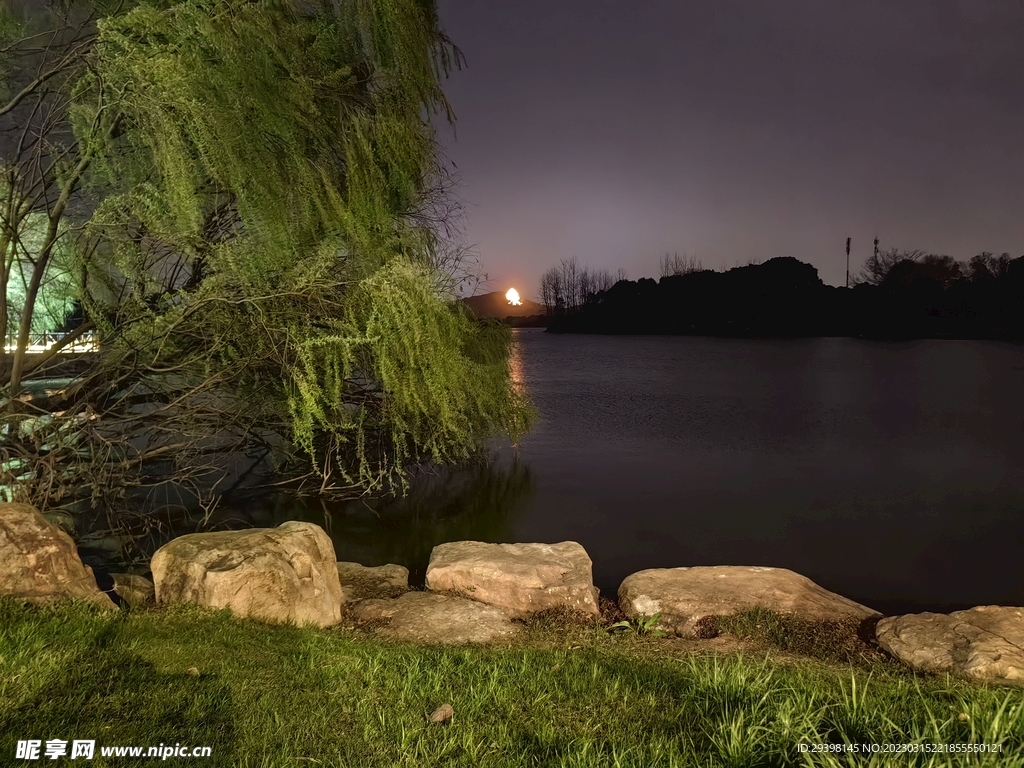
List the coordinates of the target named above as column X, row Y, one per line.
column 892, row 473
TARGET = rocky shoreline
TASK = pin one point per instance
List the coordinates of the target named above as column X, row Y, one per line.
column 478, row 592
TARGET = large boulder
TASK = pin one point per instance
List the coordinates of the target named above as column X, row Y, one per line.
column 521, row 579
column 283, row 574
column 426, row 617
column 983, row 643
column 684, row 596
column 39, row 562
column 359, row 582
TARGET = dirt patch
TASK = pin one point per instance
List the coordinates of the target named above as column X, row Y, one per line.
column 552, row 618
column 846, row 641
column 610, row 611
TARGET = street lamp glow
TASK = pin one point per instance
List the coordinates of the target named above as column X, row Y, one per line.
column 513, row 297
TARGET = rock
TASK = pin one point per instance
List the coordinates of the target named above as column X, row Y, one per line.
column 425, row 617
column 133, row 589
column 521, row 579
column 39, row 562
column 359, row 582
column 983, row 643
column 684, row 596
column 442, row 714
column 283, row 574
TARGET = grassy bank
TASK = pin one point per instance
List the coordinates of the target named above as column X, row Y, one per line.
column 262, row 695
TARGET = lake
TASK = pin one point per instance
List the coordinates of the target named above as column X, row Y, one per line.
column 891, row 473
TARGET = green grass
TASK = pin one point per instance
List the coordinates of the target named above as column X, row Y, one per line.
column 562, row 696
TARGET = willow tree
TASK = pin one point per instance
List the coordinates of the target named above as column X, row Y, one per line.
column 258, row 261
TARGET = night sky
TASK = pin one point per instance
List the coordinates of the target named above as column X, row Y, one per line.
column 615, row 130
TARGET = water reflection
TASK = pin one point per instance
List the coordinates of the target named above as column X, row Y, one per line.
column 515, row 365
column 478, row 502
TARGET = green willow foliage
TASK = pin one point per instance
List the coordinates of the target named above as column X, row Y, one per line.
column 442, row 376
column 309, row 125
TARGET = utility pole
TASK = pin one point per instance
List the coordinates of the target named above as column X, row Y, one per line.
column 847, row 262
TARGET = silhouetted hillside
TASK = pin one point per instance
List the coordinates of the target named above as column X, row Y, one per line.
column 496, row 305
column 785, row 297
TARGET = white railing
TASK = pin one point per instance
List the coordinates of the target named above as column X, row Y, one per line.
column 42, row 342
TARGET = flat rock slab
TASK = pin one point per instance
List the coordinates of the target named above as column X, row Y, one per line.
column 426, row 617
column 684, row 596
column 39, row 562
column 521, row 579
column 283, row 574
column 361, row 582
column 983, row 643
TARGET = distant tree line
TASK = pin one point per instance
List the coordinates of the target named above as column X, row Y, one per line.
column 898, row 294
column 568, row 287
column 675, row 264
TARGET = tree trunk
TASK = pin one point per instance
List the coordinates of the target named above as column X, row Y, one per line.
column 37, row 276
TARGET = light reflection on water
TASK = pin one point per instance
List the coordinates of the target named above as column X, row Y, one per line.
column 515, row 365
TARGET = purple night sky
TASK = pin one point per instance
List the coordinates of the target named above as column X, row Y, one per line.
column 615, row 131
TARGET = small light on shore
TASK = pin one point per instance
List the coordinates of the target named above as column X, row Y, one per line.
column 513, row 297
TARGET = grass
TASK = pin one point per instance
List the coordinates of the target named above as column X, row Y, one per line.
column 562, row 695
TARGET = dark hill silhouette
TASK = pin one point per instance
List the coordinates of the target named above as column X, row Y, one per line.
column 784, row 297
column 496, row 305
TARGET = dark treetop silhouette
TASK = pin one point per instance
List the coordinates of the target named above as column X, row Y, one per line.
column 909, row 295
